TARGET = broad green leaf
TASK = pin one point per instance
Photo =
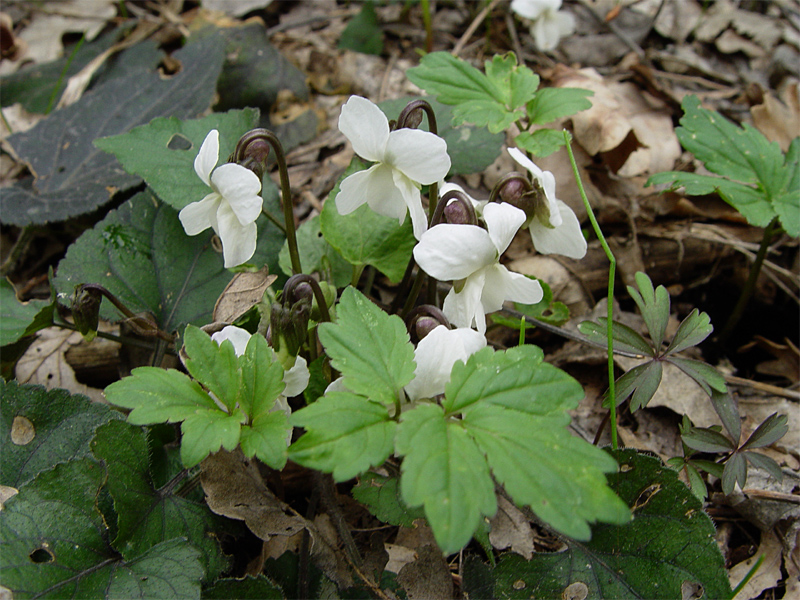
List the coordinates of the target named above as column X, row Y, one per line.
column 706, row 440
column 624, row 337
column 19, row 319
column 554, row 313
column 72, row 176
column 770, row 431
column 788, row 205
column 163, row 151
column 471, row 149
column 147, row 516
column 669, row 541
column 249, row 588
column 262, row 378
column 551, row 104
column 654, row 306
column 382, row 496
column 542, row 465
column 266, row 438
column 706, row 376
column 364, row 237
column 53, row 545
column 159, row 396
column 345, row 435
column 363, row 32
column 42, row 428
column 444, row 471
column 317, row 255
column 215, row 366
column 141, row 254
column 370, row 348
column 207, row 431
column 735, row 473
column 693, row 329
column 479, row 99
column 542, row 142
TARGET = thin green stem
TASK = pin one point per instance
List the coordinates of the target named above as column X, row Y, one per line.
column 63, row 73
column 357, row 270
column 412, row 295
column 750, row 284
column 120, row 339
column 611, row 273
column 426, row 19
column 749, row 576
column 274, row 220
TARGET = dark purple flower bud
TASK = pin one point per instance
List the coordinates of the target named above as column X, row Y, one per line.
column 424, row 325
column 457, row 214
column 86, row 310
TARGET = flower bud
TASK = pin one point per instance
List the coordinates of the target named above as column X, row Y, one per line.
column 86, row 310
column 424, row 319
column 424, row 325
column 516, row 190
column 288, row 330
column 456, row 213
column 252, row 151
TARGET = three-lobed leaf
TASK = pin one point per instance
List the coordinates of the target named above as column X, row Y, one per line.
column 654, row 306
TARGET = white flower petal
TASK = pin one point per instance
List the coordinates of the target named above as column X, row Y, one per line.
column 207, row 158
column 413, row 200
column 199, row 216
column 464, row 309
column 296, row 378
column 502, row 285
column 367, row 128
column 451, row 252
column 566, row 23
column 566, row 239
column 545, row 31
column 503, row 221
column 374, row 186
column 531, row 9
column 435, row 356
column 545, row 178
column 238, row 241
column 420, row 155
column 240, row 187
column 235, row 335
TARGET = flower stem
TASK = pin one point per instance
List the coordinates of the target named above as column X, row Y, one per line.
column 286, row 201
column 750, row 284
column 610, row 297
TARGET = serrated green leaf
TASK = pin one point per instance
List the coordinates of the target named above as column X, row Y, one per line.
column 63, row 424
column 770, row 431
column 542, row 142
column 363, row 33
column 206, row 431
column 706, row 440
column 317, row 255
column 543, row 466
column 762, row 461
column 669, row 541
column 266, row 439
column 346, row 434
column 262, row 378
column 364, row 237
column 706, row 376
column 159, row 396
column 19, row 319
column 147, row 516
column 445, row 472
column 141, row 254
column 693, row 329
column 654, row 306
column 370, row 348
column 735, row 472
column 383, row 499
column 551, row 104
column 149, row 151
column 624, row 337
column 215, row 366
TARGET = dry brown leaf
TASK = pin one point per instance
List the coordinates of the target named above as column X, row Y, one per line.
column 768, row 574
column 399, row 557
column 676, row 20
column 243, row 292
column 511, row 529
column 779, row 121
column 428, row 577
column 44, row 363
column 235, row 9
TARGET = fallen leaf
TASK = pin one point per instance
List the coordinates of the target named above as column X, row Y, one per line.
column 768, row 574
column 511, row 529
column 428, row 577
column 243, row 292
column 779, row 121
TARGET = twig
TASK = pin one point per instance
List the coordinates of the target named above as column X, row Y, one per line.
column 763, row 387
column 473, row 26
column 512, row 31
column 615, row 30
column 769, row 495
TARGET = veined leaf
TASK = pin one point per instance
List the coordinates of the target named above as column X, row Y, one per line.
column 266, row 438
column 215, row 366
column 654, row 306
column 20, row 319
column 624, row 337
column 262, row 378
column 550, row 104
column 693, row 329
column 382, row 497
column 207, row 431
column 770, row 431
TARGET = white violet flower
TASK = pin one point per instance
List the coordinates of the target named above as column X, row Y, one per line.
column 549, row 24
column 232, row 207
column 435, row 356
column 469, row 256
column 559, row 231
column 404, row 160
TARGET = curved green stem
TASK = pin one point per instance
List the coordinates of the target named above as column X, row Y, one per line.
column 611, row 273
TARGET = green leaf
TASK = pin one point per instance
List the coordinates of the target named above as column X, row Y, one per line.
column 770, row 431
column 141, row 254
column 693, row 329
column 669, row 541
column 363, row 32
column 628, row 383
column 72, row 176
column 491, row 100
column 542, row 142
column 471, row 149
column 266, row 438
column 445, row 472
column 345, row 435
column 788, row 205
column 551, row 104
column 370, row 348
column 42, row 428
column 262, row 378
column 624, row 337
column 654, row 306
column 206, row 431
column 215, row 366
column 163, row 151
column 554, row 313
column 727, row 408
column 364, row 237
column 147, row 516
column 706, row 440
column 647, row 383
column 735, row 472
column 249, row 588
column 159, row 396
column 762, row 461
column 383, row 499
column 20, row 319
column 317, row 255
column 706, row 376
column 53, row 545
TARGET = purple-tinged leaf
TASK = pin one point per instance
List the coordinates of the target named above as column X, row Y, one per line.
column 735, row 472
column 707, row 440
column 706, row 376
column 762, row 461
column 771, row 430
column 693, row 329
column 654, row 306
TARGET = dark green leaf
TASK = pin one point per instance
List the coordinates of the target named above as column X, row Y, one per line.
column 541, row 142
column 646, row 384
column 363, row 32
column 370, row 348
column 693, row 329
column 727, row 409
column 42, row 428
column 762, row 461
column 627, row 384
column 551, row 104
column 249, row 588
column 706, row 376
column 624, row 337
column 654, row 306
column 345, row 435
column 770, row 431
column 735, row 472
column 147, row 516
column 546, row 310
column 382, row 496
column 19, row 319
column 72, row 176
column 707, row 440
column 669, row 541
column 141, row 254
column 788, row 205
column 317, row 255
